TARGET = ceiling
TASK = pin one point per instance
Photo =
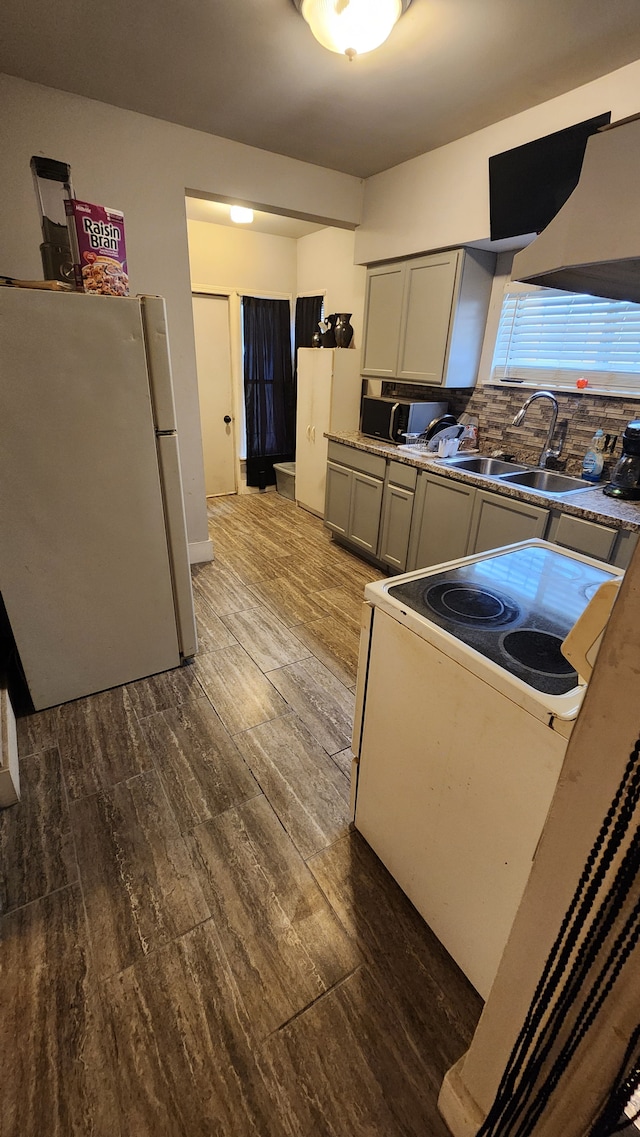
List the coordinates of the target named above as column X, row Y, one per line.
column 250, row 70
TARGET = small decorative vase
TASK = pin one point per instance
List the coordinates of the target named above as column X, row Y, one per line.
column 343, row 331
column 328, row 337
column 316, row 339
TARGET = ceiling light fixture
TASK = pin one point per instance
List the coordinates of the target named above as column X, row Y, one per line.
column 240, row 215
column 351, row 27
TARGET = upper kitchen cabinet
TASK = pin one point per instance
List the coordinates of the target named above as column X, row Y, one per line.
column 383, row 316
column 425, row 318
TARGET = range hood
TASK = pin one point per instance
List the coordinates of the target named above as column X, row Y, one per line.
column 592, row 245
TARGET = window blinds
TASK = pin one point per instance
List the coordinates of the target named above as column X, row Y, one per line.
column 550, row 338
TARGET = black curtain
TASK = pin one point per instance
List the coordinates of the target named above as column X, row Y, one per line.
column 308, row 316
column 269, row 392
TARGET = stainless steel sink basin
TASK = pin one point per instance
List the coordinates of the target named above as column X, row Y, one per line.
column 546, row 481
column 492, row 467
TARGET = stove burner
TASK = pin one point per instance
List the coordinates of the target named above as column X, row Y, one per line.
column 464, row 603
column 539, row 651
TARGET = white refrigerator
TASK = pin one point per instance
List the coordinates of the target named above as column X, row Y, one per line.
column 329, row 391
column 94, row 565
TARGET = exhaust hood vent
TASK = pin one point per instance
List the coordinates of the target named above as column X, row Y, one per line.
column 529, row 184
column 593, row 244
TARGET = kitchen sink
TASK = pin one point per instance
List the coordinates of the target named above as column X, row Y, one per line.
column 492, row 467
column 546, row 481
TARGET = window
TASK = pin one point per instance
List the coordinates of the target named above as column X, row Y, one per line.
column 550, row 338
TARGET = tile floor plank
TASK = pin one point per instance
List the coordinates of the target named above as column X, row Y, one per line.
column 343, row 761
column 138, row 883
column 323, row 703
column 36, row 732
column 100, row 741
column 36, row 846
column 56, row 1070
column 289, row 601
column 435, row 1001
column 186, row 1066
column 265, row 638
column 211, row 632
column 283, row 942
column 302, row 784
column 348, row 1068
column 222, row 589
column 237, row 688
column 334, row 644
column 167, row 689
column 201, row 768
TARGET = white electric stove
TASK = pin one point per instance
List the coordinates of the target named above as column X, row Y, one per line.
column 464, row 706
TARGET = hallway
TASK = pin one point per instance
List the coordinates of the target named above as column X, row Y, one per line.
column 194, row 942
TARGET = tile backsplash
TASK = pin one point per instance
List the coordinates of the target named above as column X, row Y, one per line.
column 579, row 416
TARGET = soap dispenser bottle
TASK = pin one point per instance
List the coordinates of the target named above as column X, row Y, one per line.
column 593, row 461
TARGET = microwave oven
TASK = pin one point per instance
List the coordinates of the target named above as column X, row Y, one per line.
column 390, row 419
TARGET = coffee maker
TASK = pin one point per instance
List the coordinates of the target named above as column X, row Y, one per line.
column 625, row 477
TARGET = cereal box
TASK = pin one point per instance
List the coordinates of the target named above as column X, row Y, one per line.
column 98, row 248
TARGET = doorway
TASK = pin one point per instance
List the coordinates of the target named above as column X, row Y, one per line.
column 215, row 392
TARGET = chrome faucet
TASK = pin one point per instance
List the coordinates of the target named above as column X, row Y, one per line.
column 546, row 451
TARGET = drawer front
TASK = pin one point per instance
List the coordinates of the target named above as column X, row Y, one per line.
column 587, row 537
column 401, row 475
column 372, row 464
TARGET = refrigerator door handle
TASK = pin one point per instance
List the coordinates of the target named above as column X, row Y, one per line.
column 154, row 321
column 169, row 466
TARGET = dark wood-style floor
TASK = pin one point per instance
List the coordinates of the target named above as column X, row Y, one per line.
column 194, row 940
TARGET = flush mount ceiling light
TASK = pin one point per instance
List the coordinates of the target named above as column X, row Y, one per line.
column 351, row 27
column 240, row 215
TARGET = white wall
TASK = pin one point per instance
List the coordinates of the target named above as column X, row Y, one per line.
column 236, row 259
column 441, row 199
column 325, row 264
column 143, row 166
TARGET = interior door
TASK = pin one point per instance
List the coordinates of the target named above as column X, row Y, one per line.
column 213, row 362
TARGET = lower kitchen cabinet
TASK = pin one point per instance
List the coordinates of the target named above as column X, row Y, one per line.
column 364, row 512
column 624, row 548
column 500, row 521
column 353, row 503
column 407, row 519
column 441, row 519
column 582, row 536
column 337, row 498
column 397, row 513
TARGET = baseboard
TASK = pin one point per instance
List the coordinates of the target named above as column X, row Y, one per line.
column 460, row 1111
column 200, row 551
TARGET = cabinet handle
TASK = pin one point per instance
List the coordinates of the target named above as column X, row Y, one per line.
column 308, row 434
column 313, row 433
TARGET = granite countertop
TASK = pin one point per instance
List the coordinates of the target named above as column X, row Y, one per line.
column 590, row 504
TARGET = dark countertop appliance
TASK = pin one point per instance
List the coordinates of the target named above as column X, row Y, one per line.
column 390, row 419
column 625, row 477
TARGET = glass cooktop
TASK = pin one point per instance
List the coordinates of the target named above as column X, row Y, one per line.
column 515, row 608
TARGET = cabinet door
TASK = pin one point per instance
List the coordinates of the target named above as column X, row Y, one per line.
column 441, row 520
column 364, row 514
column 624, row 548
column 397, row 508
column 427, row 313
column 582, row 536
column 383, row 311
column 338, row 498
column 499, row 521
